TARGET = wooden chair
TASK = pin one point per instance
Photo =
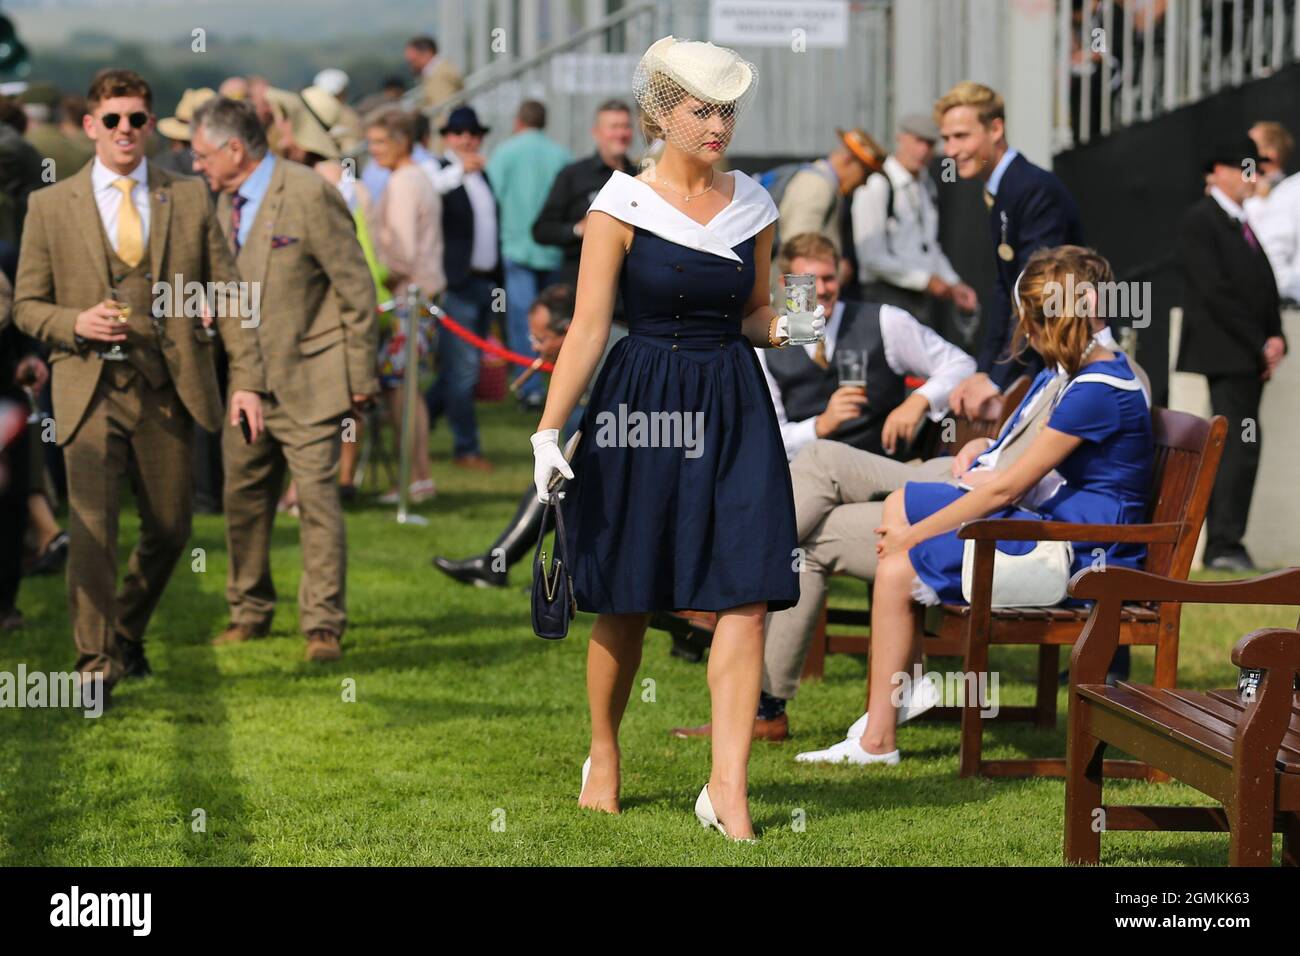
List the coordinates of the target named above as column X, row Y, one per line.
column 824, row 642
column 1244, row 754
column 1187, row 454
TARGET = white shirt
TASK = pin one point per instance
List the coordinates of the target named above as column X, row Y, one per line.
column 445, row 179
column 903, row 251
column 995, row 178
column 1276, row 221
column 1227, row 205
column 108, row 198
column 910, row 349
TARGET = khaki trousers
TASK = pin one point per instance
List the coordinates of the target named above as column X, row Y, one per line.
column 838, row 503
column 254, row 474
column 130, row 429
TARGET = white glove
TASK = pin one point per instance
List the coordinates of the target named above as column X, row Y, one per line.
column 547, row 460
column 801, row 325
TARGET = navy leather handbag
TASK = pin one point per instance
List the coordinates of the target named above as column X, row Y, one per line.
column 554, row 605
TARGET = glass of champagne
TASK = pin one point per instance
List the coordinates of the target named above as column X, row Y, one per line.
column 800, row 292
column 117, row 352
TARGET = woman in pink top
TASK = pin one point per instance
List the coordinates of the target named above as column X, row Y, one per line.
column 407, row 232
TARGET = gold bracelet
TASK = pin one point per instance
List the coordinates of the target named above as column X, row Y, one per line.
column 771, row 334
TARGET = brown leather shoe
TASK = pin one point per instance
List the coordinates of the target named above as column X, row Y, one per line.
column 472, row 462
column 323, row 645
column 239, row 633
column 773, row 730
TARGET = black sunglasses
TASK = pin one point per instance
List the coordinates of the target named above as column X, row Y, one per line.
column 137, row 119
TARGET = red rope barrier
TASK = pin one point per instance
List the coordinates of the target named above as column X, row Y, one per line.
column 502, row 352
column 481, row 343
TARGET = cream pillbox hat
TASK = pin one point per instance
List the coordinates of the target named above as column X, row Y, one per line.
column 711, row 73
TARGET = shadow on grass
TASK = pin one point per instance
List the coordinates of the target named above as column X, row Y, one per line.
column 190, row 691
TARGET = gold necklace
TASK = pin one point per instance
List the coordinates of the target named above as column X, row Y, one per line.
column 713, row 175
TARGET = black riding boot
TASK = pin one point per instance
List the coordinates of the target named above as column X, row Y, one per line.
column 490, row 570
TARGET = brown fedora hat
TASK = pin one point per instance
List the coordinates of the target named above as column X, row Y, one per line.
column 866, row 149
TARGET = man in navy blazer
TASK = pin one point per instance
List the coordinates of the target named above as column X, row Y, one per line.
column 1029, row 209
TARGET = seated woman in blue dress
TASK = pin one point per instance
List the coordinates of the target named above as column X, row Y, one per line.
column 1090, row 463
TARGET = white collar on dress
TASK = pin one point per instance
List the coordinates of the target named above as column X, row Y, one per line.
column 635, row 202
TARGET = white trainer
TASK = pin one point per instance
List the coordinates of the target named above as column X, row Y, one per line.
column 848, row 750
column 925, row 694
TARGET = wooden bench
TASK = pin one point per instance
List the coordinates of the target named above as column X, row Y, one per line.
column 1244, row 754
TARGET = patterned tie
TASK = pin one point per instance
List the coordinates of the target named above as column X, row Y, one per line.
column 819, row 356
column 236, row 213
column 130, row 231
column 988, row 199
column 1249, row 235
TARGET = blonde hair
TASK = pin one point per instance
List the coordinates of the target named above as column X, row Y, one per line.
column 662, row 94
column 1275, row 136
column 1052, row 304
column 986, row 101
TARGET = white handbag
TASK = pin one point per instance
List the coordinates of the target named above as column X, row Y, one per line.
column 1036, row 579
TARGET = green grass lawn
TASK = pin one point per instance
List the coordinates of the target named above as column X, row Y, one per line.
column 464, row 743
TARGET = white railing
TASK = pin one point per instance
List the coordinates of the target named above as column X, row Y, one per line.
column 1121, row 62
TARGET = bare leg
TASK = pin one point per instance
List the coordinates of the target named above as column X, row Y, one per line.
column 420, row 449
column 350, row 455
column 891, row 636
column 613, row 656
column 735, row 678
column 44, row 526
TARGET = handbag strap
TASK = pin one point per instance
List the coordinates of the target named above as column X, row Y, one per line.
column 561, row 550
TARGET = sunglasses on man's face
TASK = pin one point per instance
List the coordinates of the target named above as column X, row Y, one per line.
column 137, row 119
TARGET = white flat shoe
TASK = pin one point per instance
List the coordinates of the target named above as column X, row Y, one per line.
column 847, row 751
column 704, row 813
column 586, row 770
column 924, row 695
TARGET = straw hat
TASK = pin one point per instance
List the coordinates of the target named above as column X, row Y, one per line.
column 867, row 151
column 711, row 73
column 312, row 118
column 178, row 127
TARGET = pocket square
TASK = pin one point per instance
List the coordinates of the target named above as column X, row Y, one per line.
column 279, row 242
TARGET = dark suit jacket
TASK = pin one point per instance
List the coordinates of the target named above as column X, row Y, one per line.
column 1040, row 213
column 1230, row 299
column 458, row 231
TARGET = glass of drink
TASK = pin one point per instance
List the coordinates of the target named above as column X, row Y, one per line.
column 800, row 292
column 116, row 352
column 851, row 365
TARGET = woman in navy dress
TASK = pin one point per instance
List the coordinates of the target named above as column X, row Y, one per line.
column 1089, row 464
column 679, row 493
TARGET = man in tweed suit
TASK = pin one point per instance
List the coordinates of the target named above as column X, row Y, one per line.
column 123, row 223
column 294, row 239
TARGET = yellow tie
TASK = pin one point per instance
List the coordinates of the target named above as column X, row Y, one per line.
column 819, row 355
column 130, row 231
column 988, row 199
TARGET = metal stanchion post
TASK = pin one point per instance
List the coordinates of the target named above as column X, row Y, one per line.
column 410, row 395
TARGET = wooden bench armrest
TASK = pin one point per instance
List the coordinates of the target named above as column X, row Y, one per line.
column 1028, row 529
column 1126, row 585
column 1275, row 648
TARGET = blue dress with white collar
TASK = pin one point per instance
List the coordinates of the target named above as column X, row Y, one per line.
column 1107, row 480
column 681, row 496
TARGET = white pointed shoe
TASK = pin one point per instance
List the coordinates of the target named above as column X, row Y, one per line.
column 847, row 751
column 586, row 770
column 704, row 813
column 924, row 695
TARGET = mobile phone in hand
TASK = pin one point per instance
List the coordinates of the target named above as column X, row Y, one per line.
column 244, row 427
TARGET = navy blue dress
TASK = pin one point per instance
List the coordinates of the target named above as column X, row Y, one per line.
column 1107, row 481
column 681, row 496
